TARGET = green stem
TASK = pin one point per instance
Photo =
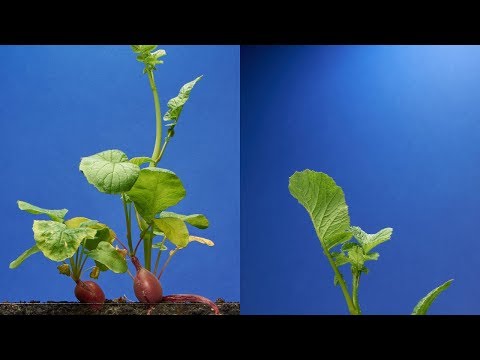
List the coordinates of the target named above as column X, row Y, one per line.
column 355, row 284
column 158, row 119
column 158, row 255
column 341, row 281
column 167, row 140
column 147, row 249
column 74, row 269
column 81, row 267
column 129, row 224
column 166, row 262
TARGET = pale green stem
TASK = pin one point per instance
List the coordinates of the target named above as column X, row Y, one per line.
column 166, row 262
column 147, row 249
column 355, row 285
column 341, row 281
column 158, row 119
column 158, row 255
column 129, row 224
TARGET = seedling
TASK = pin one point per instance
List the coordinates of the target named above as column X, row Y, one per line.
column 325, row 202
column 146, row 193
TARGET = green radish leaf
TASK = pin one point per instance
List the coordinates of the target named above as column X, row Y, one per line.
column 58, row 242
column 155, row 190
column 175, row 105
column 103, row 232
column 107, row 255
column 369, row 241
column 27, row 253
column 110, row 171
column 197, row 220
column 55, row 215
column 325, row 203
column 424, row 304
column 174, row 229
column 140, row 160
column 160, row 246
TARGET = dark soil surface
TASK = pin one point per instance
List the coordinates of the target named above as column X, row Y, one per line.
column 116, row 307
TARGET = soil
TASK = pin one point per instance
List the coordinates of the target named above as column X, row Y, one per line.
column 116, row 307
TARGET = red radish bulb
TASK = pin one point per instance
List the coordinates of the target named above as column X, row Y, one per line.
column 90, row 292
column 146, row 286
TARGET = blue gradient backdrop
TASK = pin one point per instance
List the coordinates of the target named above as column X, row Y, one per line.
column 398, row 127
column 59, row 103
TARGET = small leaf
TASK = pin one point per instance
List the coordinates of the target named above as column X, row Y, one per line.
column 64, row 269
column 27, row 253
column 201, row 240
column 110, row 171
column 107, row 255
column 424, row 304
column 95, row 273
column 55, row 215
column 325, row 203
column 197, row 220
column 175, row 105
column 369, row 241
column 140, row 160
column 160, row 246
column 174, row 229
column 155, row 190
column 56, row 241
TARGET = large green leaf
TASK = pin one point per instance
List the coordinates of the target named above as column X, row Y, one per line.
column 174, row 229
column 55, row 215
column 175, row 105
column 107, row 255
column 110, row 171
column 369, row 241
column 424, row 304
column 155, row 190
column 56, row 241
column 325, row 203
column 27, row 253
column 197, row 220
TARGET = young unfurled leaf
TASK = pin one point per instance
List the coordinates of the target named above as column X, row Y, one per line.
column 56, row 241
column 139, row 49
column 140, row 160
column 107, row 255
column 423, row 305
column 325, row 202
column 369, row 241
column 64, row 269
column 339, row 258
column 55, row 215
column 175, row 105
column 197, row 220
column 357, row 257
column 200, row 240
column 174, row 229
column 155, row 190
column 27, row 253
column 110, row 171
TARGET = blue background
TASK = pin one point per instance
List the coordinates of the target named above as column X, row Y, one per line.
column 398, row 128
column 59, row 103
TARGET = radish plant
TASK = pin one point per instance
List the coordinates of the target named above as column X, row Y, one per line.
column 325, row 202
column 146, row 191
